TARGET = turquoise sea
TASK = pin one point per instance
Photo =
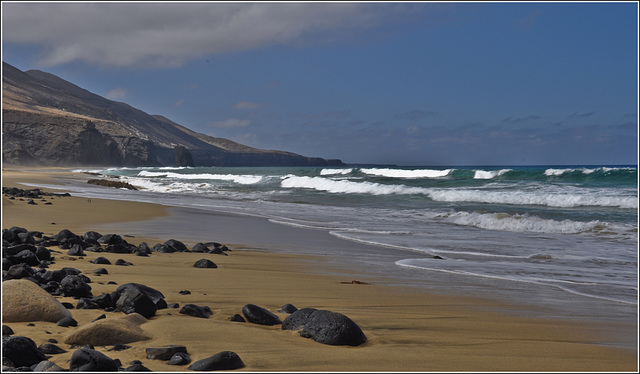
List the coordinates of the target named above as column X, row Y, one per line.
column 571, row 229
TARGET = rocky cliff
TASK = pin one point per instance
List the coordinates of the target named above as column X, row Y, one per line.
column 49, row 121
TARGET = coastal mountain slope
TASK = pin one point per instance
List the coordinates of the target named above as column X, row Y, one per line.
column 49, row 121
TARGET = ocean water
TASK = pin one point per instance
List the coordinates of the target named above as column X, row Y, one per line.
column 573, row 229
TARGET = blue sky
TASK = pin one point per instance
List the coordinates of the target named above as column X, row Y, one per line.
column 399, row 83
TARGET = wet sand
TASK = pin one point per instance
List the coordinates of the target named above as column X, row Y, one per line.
column 408, row 328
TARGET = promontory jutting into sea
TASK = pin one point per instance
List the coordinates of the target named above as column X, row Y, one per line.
column 569, row 228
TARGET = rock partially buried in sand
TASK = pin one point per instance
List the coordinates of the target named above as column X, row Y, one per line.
column 155, row 295
column 132, row 301
column 165, row 353
column 67, row 321
column 325, row 327
column 225, row 360
column 85, row 359
column 259, row 315
column 110, row 332
column 75, row 286
column 50, row 349
column 47, row 366
column 205, row 264
column 25, row 301
column 288, row 308
column 22, row 351
column 180, row 358
column 196, row 311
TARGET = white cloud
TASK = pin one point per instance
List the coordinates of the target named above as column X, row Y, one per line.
column 117, row 94
column 231, row 123
column 170, row 34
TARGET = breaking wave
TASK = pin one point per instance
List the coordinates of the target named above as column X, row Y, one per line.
column 521, row 223
column 407, row 174
column 240, row 179
column 343, row 186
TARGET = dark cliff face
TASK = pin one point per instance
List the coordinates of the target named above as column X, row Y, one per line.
column 49, row 121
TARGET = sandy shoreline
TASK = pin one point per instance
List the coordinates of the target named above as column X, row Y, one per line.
column 408, row 329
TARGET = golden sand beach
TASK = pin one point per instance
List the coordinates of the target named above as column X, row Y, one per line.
column 407, row 328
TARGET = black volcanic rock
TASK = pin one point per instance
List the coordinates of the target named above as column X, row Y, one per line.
column 22, row 351
column 85, row 359
column 110, row 183
column 260, row 316
column 325, row 327
column 205, row 263
column 196, row 311
column 225, row 360
column 49, row 121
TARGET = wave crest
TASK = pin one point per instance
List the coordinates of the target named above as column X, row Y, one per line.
column 343, row 186
column 407, row 174
column 522, row 223
column 240, row 179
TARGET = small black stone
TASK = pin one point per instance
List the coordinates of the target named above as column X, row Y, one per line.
column 237, row 318
column 180, row 358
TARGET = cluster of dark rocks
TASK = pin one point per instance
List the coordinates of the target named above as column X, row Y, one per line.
column 178, row 355
column 323, row 326
column 26, row 256
column 112, row 183
column 20, row 353
column 30, row 195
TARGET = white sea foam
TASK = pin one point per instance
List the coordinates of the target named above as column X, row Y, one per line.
column 556, row 172
column 240, row 179
column 533, row 197
column 344, row 186
column 407, row 174
column 152, row 186
column 335, row 171
column 521, row 223
column 484, row 174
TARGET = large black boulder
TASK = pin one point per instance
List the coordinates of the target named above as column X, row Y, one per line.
column 200, row 248
column 142, row 249
column 101, row 261
column 325, row 327
column 76, row 250
column 85, row 359
column 25, row 257
column 176, row 245
column 111, row 239
column 155, row 295
column 75, row 286
column 132, row 300
column 11, row 250
column 225, row 360
column 259, row 315
column 20, row 271
column 205, row 264
column 6, row 264
column 43, row 253
column 91, row 236
column 65, row 235
column 22, row 351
